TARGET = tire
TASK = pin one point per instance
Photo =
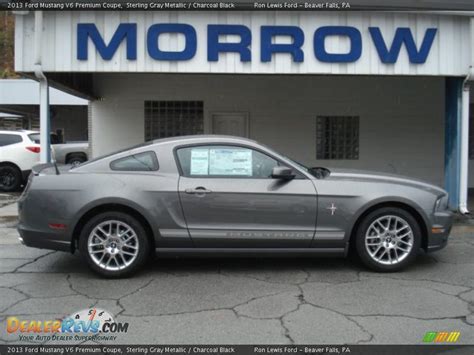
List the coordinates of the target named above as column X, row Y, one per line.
column 115, row 261
column 388, row 251
column 76, row 159
column 10, row 178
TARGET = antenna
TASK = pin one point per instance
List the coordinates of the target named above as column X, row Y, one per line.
column 56, row 167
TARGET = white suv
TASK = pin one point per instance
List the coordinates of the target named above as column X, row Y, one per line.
column 18, row 153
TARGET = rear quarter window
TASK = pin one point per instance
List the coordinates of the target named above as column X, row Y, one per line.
column 34, row 137
column 145, row 161
column 8, row 139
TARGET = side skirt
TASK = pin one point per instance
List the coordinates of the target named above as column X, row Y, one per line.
column 250, row 252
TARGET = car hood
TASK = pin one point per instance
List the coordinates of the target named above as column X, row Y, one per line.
column 373, row 176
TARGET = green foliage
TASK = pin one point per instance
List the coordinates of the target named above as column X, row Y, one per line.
column 7, row 44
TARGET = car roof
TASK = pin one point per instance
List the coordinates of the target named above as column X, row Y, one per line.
column 22, row 131
column 173, row 141
column 200, row 137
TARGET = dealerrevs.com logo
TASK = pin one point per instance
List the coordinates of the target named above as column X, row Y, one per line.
column 87, row 324
column 441, row 337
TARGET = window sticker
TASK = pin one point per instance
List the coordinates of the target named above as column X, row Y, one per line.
column 230, row 162
column 199, row 162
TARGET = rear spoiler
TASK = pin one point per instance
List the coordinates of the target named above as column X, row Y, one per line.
column 37, row 169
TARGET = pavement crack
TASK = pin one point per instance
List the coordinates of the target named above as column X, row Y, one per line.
column 3, row 311
column 13, row 288
column 230, row 308
column 466, row 291
column 286, row 331
column 307, row 275
column 349, row 318
column 257, row 279
column 77, row 292
column 405, row 316
column 385, row 277
column 362, row 341
column 122, row 309
column 118, row 300
column 258, row 298
column 32, row 261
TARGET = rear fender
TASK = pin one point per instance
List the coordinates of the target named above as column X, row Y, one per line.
column 114, row 201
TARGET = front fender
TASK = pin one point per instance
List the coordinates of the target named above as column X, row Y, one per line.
column 384, row 201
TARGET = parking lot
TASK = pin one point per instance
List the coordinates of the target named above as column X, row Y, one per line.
column 246, row 301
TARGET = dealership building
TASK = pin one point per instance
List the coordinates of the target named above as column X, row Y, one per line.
column 385, row 91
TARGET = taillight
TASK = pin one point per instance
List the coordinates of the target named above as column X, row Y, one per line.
column 27, row 187
column 34, row 149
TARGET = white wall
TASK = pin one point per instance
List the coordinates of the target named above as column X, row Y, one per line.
column 470, row 181
column 401, row 119
column 26, row 92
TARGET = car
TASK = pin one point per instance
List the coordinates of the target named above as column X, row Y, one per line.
column 18, row 153
column 71, row 153
column 227, row 196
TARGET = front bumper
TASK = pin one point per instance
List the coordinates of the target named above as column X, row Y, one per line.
column 438, row 233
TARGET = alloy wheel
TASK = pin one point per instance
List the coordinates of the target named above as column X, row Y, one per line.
column 113, row 245
column 389, row 240
column 7, row 180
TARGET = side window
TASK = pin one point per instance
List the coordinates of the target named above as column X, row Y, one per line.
column 7, row 139
column 225, row 161
column 138, row 162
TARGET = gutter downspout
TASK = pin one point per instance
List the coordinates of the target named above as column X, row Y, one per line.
column 45, row 152
column 464, row 166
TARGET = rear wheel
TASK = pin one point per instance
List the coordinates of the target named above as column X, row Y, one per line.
column 114, row 244
column 76, row 159
column 10, row 178
column 388, row 239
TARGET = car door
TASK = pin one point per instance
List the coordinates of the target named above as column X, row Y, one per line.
column 229, row 199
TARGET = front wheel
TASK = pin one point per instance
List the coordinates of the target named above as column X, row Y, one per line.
column 114, row 244
column 388, row 239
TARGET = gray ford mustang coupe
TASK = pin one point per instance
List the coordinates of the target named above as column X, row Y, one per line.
column 222, row 195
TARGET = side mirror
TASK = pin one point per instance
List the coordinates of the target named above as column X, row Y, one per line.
column 282, row 172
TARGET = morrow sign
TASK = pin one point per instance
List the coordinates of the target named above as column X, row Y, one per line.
column 388, row 49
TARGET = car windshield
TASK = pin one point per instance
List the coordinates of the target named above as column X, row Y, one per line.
column 298, row 164
column 319, row 173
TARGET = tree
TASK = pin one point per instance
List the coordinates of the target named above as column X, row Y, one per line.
column 7, row 36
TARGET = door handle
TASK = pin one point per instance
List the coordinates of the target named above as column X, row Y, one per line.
column 198, row 191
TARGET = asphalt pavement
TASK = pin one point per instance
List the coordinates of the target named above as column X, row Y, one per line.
column 246, row 300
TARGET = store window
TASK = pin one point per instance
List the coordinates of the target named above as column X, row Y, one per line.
column 337, row 137
column 225, row 161
column 173, row 118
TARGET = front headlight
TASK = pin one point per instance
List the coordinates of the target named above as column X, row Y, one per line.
column 441, row 203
